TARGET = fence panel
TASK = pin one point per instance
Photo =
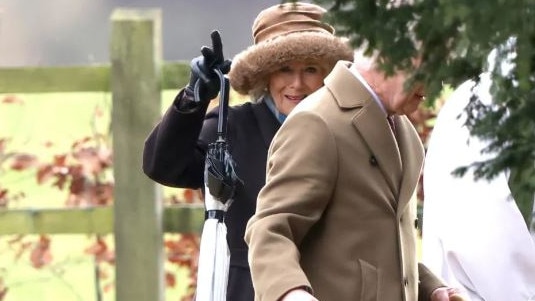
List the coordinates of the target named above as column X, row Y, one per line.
column 135, row 76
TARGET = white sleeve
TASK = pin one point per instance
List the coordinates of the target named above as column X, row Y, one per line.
column 474, row 236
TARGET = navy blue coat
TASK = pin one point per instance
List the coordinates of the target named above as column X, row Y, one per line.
column 174, row 155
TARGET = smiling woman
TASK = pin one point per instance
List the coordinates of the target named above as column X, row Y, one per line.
column 293, row 82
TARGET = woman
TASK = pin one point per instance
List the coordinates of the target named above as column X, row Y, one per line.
column 292, row 53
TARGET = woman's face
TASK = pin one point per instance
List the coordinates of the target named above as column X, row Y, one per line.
column 293, row 81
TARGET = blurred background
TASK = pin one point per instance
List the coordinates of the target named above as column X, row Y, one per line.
column 64, row 32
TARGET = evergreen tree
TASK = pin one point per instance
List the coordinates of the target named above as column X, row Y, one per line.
column 454, row 39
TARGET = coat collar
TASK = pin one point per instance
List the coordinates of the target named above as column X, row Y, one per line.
column 267, row 122
column 338, row 81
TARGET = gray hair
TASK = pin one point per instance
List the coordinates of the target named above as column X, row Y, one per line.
column 364, row 61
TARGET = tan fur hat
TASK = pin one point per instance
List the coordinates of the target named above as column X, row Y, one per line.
column 283, row 33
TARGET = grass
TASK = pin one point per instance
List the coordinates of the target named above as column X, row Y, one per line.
column 70, row 276
column 47, row 124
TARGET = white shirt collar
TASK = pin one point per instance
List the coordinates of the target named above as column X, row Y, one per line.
column 368, row 88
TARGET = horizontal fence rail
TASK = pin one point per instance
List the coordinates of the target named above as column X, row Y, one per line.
column 91, row 220
column 94, row 78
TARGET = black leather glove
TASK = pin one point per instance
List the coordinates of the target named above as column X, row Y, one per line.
column 202, row 73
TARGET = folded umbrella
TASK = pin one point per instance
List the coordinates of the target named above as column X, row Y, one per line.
column 220, row 183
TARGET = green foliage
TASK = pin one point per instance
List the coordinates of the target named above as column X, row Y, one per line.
column 454, row 39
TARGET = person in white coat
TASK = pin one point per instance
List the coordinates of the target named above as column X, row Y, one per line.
column 474, row 235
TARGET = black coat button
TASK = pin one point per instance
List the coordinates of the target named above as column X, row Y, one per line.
column 373, row 161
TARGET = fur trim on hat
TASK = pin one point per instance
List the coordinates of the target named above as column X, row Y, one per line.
column 251, row 68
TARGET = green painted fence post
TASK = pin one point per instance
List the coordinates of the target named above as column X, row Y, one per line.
column 136, row 86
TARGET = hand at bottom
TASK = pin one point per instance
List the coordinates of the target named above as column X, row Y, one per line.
column 447, row 294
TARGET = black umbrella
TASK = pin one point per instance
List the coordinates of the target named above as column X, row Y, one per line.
column 220, row 182
column 220, row 175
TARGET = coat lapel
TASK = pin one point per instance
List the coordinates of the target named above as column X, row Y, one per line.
column 412, row 155
column 369, row 120
column 371, row 123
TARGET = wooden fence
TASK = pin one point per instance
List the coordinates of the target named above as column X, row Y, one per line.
column 135, row 76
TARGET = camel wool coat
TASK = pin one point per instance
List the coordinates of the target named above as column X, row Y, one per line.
column 337, row 214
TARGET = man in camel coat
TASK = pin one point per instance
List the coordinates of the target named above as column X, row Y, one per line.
column 336, row 219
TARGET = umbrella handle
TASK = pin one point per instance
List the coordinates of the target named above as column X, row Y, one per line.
column 223, row 105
